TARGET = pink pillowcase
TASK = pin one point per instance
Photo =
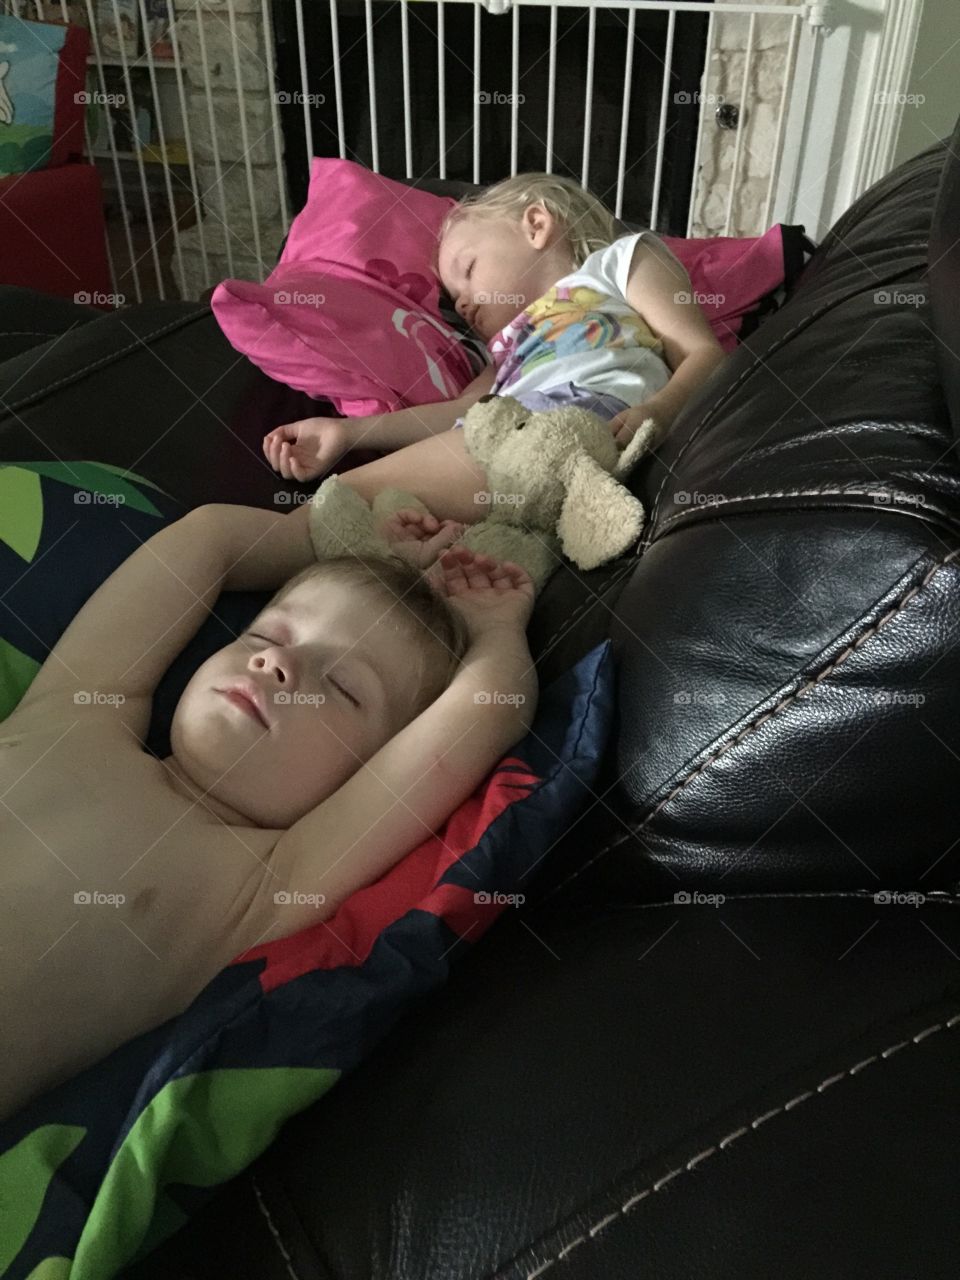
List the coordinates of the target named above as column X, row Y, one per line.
column 351, row 312
column 732, row 276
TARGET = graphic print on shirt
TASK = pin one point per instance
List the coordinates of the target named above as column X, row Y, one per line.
column 567, row 320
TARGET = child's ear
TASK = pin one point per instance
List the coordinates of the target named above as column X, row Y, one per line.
column 539, row 224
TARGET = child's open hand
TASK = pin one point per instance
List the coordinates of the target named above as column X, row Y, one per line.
column 306, row 449
column 487, row 593
column 418, row 537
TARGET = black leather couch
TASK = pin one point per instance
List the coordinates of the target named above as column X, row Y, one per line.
column 722, row 1039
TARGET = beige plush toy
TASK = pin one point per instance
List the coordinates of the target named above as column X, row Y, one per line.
column 554, row 487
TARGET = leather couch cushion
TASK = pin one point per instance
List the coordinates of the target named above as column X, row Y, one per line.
column 787, row 702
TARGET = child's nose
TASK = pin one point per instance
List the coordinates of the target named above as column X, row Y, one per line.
column 277, row 664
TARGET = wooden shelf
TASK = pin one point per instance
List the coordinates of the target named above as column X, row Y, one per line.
column 104, row 153
column 139, row 63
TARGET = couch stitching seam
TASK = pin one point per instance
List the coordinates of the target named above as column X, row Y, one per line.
column 96, row 364
column 725, row 393
column 591, row 600
column 763, row 718
column 27, row 333
column 272, row 1226
column 781, row 493
column 757, row 362
column 730, row 1138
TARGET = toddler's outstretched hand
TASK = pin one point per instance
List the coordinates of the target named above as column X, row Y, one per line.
column 306, row 449
column 418, row 537
column 488, row 593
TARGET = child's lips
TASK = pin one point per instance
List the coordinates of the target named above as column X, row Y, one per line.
column 240, row 698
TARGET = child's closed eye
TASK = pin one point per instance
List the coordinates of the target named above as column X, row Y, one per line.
column 340, row 689
column 256, row 635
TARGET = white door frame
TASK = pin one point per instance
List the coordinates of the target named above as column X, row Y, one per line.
column 850, row 82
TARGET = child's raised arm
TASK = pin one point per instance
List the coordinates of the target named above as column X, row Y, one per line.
column 133, row 626
column 418, row 779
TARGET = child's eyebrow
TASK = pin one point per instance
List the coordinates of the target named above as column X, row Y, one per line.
column 352, row 652
column 275, row 614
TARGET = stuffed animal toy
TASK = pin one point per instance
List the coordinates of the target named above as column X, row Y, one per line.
column 554, row 480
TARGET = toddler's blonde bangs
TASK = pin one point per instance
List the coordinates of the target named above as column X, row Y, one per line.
column 586, row 221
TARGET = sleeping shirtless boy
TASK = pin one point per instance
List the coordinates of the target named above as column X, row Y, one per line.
column 307, row 757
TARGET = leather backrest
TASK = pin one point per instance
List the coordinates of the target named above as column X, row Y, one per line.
column 787, row 633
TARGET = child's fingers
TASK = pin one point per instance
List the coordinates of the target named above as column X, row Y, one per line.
column 458, row 556
column 428, row 522
column 517, row 572
column 301, row 472
column 422, row 520
column 288, row 462
column 443, row 538
column 455, row 580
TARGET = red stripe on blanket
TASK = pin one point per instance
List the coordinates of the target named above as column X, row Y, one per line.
column 348, row 937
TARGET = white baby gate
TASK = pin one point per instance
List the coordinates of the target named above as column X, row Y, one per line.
column 184, row 119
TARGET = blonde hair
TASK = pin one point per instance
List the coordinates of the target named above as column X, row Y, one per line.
column 585, row 221
column 414, row 603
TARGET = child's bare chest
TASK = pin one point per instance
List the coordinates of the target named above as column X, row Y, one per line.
column 121, row 899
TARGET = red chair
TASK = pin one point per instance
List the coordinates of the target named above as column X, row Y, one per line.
column 52, row 231
column 53, row 235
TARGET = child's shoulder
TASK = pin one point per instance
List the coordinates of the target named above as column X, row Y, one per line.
column 83, row 711
column 604, row 264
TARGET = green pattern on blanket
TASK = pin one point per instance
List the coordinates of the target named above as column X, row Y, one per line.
column 200, row 1130
column 21, row 528
column 25, row 1173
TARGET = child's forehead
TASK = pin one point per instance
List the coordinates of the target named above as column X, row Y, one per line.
column 458, row 237
column 326, row 601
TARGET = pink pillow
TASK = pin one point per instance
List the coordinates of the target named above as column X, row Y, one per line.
column 351, row 312
column 734, row 278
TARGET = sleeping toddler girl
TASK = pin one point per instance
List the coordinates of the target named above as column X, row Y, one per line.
column 570, row 314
